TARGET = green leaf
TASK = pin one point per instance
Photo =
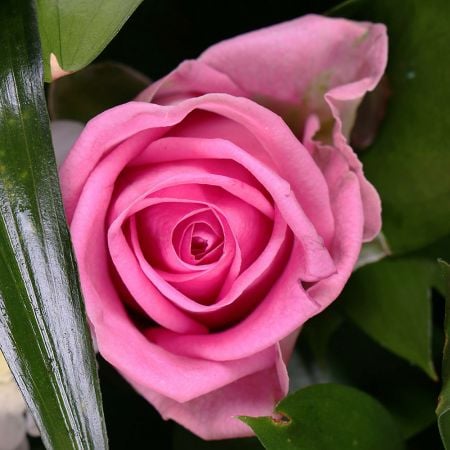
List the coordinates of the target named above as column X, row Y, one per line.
column 390, row 301
column 327, row 417
column 77, row 31
column 354, row 359
column 409, row 160
column 328, row 353
column 94, row 89
column 43, row 331
column 443, row 408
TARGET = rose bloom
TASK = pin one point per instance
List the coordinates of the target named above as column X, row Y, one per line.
column 222, row 209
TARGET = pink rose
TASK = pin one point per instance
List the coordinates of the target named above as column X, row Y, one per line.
column 207, row 231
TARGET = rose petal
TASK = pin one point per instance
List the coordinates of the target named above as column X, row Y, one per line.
column 190, row 79
column 213, row 416
column 130, row 260
column 345, row 60
column 156, row 223
column 202, row 287
column 260, row 274
column 321, row 55
column 174, row 376
column 285, row 308
column 347, row 245
column 88, row 235
column 317, row 262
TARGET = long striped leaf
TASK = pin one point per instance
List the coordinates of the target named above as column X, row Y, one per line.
column 43, row 331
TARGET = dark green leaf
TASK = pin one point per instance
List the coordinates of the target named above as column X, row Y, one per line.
column 409, row 160
column 77, row 31
column 92, row 90
column 327, row 417
column 443, row 409
column 43, row 331
column 404, row 390
column 390, row 301
column 437, row 250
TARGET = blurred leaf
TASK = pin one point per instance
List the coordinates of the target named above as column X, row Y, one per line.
column 409, row 160
column 77, row 31
column 43, row 331
column 443, row 408
column 327, row 417
column 390, row 301
column 439, row 249
column 319, row 330
column 404, row 390
column 94, row 89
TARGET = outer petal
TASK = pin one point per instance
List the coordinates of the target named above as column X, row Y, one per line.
column 213, row 416
column 285, row 308
column 323, row 66
column 347, row 245
column 189, row 79
column 301, row 60
column 327, row 66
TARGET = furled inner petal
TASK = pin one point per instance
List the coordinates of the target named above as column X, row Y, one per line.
column 317, row 262
column 164, row 223
column 200, row 286
column 199, row 242
column 162, row 233
column 156, row 222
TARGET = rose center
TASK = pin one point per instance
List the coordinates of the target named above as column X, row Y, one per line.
column 203, row 243
column 199, row 247
column 198, row 239
column 203, row 239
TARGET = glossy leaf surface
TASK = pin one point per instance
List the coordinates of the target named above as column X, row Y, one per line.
column 327, row 417
column 77, row 31
column 43, row 331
